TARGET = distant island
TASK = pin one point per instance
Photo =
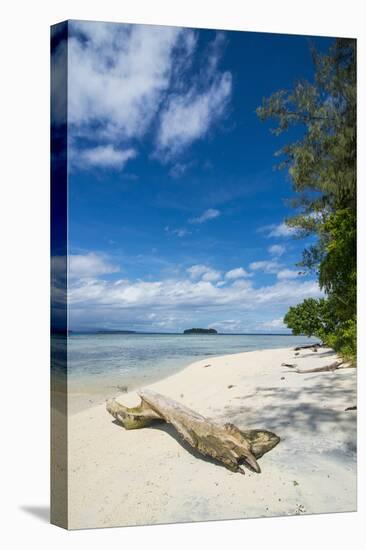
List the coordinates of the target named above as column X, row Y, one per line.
column 200, row 331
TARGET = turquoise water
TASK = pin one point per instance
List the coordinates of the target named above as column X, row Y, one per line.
column 131, row 359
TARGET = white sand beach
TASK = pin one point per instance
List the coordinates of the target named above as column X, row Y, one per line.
column 148, row 476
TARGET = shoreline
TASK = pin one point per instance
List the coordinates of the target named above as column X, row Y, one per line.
column 80, row 401
column 148, row 476
column 86, row 390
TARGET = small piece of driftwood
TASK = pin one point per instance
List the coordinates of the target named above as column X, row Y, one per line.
column 308, row 346
column 225, row 443
column 289, row 365
column 333, row 366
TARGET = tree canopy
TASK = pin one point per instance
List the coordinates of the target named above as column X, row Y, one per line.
column 322, row 167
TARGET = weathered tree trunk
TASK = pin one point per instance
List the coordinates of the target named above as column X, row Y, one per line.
column 309, row 346
column 333, row 366
column 225, row 443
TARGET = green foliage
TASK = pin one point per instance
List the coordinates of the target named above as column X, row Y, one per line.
column 322, row 166
column 324, row 160
column 344, row 339
column 338, row 268
column 311, row 317
column 318, row 318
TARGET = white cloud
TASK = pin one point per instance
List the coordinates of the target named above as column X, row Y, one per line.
column 228, row 325
column 188, row 117
column 274, row 324
column 237, row 273
column 209, row 214
column 89, row 266
column 282, row 230
column 276, row 250
column 105, row 156
column 117, row 75
column 98, row 298
column 211, row 275
column 125, row 79
column 197, row 270
column 278, row 230
column 287, row 274
column 204, row 272
column 182, row 295
column 268, row 266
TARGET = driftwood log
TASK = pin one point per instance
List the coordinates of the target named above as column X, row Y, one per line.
column 332, row 367
column 223, row 442
column 309, row 346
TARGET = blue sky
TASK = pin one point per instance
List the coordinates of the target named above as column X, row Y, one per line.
column 175, row 211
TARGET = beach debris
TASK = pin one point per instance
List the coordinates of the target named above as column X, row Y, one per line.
column 295, row 482
column 225, row 443
column 309, row 346
column 205, row 366
column 283, row 378
column 230, row 386
column 332, row 367
column 290, row 365
column 297, row 353
column 354, row 408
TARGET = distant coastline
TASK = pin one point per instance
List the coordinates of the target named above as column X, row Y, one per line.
column 200, row 331
column 137, row 333
column 115, row 332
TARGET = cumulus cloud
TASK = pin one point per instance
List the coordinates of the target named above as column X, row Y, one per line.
column 124, row 80
column 274, row 324
column 89, row 265
column 287, row 274
column 103, row 156
column 208, row 214
column 268, row 266
column 185, row 294
column 117, row 75
column 278, row 230
column 188, row 117
column 237, row 273
column 189, row 114
column 204, row 272
column 173, row 302
column 276, row 250
column 228, row 325
column 211, row 275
